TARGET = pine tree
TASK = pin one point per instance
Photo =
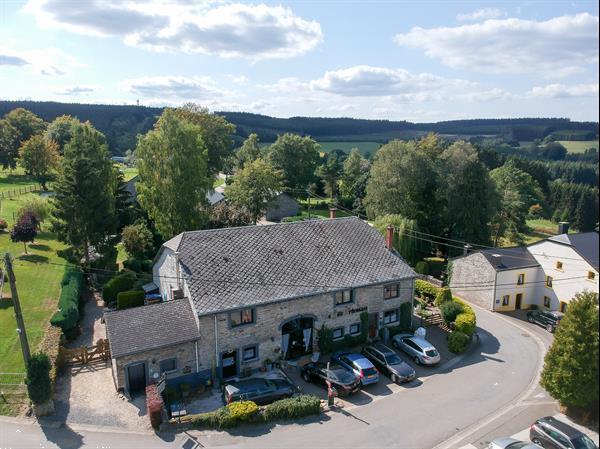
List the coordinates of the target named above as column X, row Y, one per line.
column 570, row 371
column 84, row 201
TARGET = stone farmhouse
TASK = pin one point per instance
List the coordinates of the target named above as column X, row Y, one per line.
column 236, row 298
column 546, row 274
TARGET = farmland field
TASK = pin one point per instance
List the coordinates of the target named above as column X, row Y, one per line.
column 578, row 146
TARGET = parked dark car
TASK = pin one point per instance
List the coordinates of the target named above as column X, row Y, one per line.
column 545, row 318
column 261, row 391
column 550, row 433
column 341, row 379
column 388, row 362
column 359, row 365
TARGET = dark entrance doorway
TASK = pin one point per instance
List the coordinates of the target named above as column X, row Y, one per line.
column 297, row 338
column 518, row 301
column 229, row 364
column 136, row 376
column 373, row 325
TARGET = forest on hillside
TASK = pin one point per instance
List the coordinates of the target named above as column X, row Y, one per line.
column 122, row 123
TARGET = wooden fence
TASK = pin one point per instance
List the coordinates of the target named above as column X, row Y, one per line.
column 85, row 354
column 12, row 193
column 13, row 389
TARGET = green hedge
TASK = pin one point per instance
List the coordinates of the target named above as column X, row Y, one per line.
column 405, row 316
column 450, row 310
column 39, row 386
column 116, row 285
column 425, row 289
column 466, row 322
column 292, row 408
column 443, row 295
column 68, row 304
column 457, row 342
column 129, row 299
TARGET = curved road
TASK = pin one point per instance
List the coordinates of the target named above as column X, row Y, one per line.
column 441, row 410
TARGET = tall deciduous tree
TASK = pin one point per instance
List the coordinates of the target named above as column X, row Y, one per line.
column 174, row 176
column 9, row 144
column 570, row 371
column 330, row 173
column 60, row 130
column 297, row 157
column 254, row 187
column 518, row 192
column 84, row 200
column 137, row 239
column 25, row 122
column 404, row 181
column 354, row 167
column 39, row 158
column 467, row 183
column 216, row 132
column 249, row 151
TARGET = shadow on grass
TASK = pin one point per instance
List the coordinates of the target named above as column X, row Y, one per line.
column 5, row 303
column 33, row 258
column 39, row 247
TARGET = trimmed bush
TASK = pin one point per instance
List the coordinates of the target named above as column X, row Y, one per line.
column 425, row 290
column 39, row 386
column 443, row 295
column 154, row 405
column 68, row 304
column 450, row 310
column 422, row 267
column 405, row 315
column 242, row 410
column 466, row 322
column 292, row 408
column 129, row 299
column 116, row 285
column 457, row 342
column 133, row 265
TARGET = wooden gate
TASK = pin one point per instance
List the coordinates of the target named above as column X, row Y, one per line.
column 85, row 354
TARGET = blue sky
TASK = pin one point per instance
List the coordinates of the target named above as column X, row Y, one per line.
column 418, row 61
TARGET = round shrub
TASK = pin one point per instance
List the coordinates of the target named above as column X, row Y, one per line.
column 3, row 224
column 457, row 342
column 450, row 310
column 120, row 283
column 466, row 322
column 425, row 290
column 39, row 386
column 131, row 298
column 242, row 410
column 422, row 267
column 443, row 295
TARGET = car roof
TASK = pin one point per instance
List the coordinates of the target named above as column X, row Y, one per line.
column 382, row 348
column 359, row 360
column 561, row 426
column 424, row 344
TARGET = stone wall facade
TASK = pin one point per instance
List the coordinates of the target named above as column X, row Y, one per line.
column 472, row 270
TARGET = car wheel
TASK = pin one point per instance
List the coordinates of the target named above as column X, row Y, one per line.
column 550, row 328
column 530, row 319
column 417, row 360
column 306, row 377
column 393, row 378
column 538, row 442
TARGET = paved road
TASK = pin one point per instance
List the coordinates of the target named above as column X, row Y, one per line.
column 445, row 410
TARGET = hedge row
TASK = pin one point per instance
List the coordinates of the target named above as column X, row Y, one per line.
column 116, row 285
column 68, row 304
column 133, row 298
column 465, row 322
column 425, row 290
column 236, row 413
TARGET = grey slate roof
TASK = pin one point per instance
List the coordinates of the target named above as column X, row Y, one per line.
column 511, row 258
column 585, row 243
column 145, row 328
column 246, row 266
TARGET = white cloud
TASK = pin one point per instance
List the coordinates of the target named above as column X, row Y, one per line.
column 556, row 47
column 47, row 61
column 366, row 80
column 481, row 14
column 76, row 90
column 240, row 80
column 12, row 60
column 173, row 88
column 229, row 30
column 564, row 91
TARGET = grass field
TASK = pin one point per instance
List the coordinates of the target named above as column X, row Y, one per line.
column 10, row 180
column 38, row 276
column 578, row 146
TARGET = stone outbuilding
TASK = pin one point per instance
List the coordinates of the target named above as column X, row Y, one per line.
column 282, row 206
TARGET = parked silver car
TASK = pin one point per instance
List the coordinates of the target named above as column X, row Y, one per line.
column 511, row 443
column 421, row 351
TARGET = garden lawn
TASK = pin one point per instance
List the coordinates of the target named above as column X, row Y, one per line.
column 15, row 179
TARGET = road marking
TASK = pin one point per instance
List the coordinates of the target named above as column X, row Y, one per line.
column 460, row 436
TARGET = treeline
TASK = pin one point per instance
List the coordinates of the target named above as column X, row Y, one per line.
column 122, row 123
column 576, row 203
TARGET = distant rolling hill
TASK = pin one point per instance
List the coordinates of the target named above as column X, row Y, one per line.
column 121, row 124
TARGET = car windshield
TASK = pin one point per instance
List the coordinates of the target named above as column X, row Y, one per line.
column 369, row 371
column 393, row 359
column 583, row 442
column 431, row 352
column 517, row 445
column 340, row 375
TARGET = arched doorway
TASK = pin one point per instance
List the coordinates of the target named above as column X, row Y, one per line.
column 297, row 337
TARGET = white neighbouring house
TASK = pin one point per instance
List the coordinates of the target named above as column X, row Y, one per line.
column 546, row 274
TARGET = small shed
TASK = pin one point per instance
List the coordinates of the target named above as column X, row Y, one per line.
column 282, row 206
column 152, row 340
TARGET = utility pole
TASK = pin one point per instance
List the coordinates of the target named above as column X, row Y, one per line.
column 17, row 307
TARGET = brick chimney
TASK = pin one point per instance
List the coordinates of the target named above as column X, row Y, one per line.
column 563, row 227
column 389, row 237
column 332, row 212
